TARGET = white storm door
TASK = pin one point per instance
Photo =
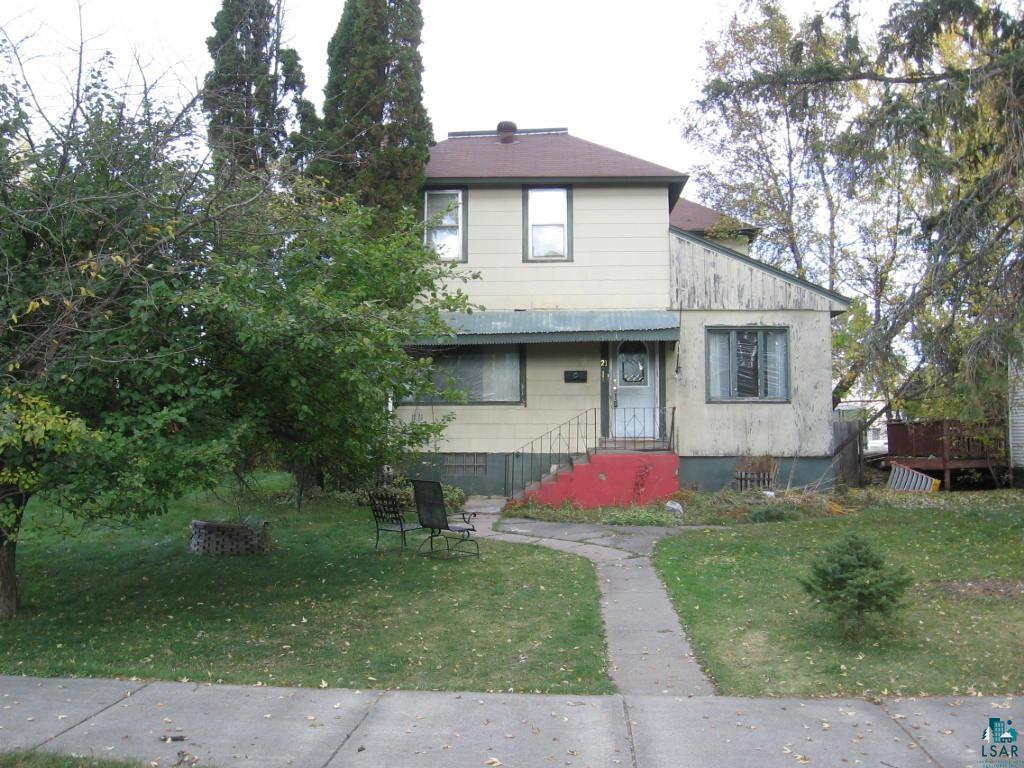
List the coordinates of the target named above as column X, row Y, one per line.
column 634, row 390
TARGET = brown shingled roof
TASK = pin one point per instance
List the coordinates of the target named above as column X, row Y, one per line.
column 540, row 154
column 699, row 219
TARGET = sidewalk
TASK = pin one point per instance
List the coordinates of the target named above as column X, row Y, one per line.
column 665, row 716
column 226, row 726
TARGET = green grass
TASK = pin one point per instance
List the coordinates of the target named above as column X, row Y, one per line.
column 726, row 507
column 757, row 633
column 321, row 608
column 49, row 760
column 567, row 513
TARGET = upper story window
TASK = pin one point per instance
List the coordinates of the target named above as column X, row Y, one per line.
column 748, row 364
column 547, row 219
column 445, row 213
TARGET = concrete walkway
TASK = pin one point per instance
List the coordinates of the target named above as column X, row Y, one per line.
column 648, row 652
column 168, row 724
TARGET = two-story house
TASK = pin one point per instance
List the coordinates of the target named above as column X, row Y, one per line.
column 623, row 350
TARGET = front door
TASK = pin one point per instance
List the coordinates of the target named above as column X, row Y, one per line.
column 634, row 390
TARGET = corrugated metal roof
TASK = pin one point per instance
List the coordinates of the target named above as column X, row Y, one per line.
column 547, row 326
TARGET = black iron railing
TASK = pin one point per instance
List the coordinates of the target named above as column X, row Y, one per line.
column 555, row 448
column 631, row 429
column 641, row 429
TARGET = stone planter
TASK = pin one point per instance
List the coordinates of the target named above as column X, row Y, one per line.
column 220, row 537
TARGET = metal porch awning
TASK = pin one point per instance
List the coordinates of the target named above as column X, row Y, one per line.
column 558, row 325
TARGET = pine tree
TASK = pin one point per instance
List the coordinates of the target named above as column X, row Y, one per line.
column 376, row 132
column 255, row 87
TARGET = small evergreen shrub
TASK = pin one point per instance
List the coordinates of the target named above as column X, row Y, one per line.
column 853, row 582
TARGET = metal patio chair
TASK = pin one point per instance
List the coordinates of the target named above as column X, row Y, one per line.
column 434, row 518
column 387, row 508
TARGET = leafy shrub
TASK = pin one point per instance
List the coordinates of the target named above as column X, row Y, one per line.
column 852, row 581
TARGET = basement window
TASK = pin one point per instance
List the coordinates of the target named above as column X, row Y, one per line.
column 748, row 364
column 463, row 464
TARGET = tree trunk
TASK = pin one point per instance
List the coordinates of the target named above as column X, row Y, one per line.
column 12, row 505
column 8, row 579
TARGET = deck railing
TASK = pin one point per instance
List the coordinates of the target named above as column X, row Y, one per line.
column 947, row 439
column 641, row 429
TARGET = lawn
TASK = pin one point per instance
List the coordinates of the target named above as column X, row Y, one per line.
column 322, row 609
column 49, row 760
column 757, row 633
column 726, row 507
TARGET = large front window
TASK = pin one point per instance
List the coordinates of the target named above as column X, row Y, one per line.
column 548, row 235
column 491, row 374
column 445, row 223
column 748, row 364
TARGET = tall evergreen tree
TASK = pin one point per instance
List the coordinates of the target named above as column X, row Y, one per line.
column 376, row 132
column 254, row 90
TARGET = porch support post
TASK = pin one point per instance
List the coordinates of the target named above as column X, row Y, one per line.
column 661, row 414
column 606, row 362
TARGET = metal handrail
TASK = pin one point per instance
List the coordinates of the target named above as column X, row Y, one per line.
column 529, row 463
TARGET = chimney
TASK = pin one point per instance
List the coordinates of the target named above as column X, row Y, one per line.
column 506, row 132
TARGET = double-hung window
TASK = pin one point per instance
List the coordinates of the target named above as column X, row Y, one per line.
column 446, row 223
column 748, row 364
column 491, row 374
column 547, row 219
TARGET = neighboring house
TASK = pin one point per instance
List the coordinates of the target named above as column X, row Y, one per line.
column 622, row 344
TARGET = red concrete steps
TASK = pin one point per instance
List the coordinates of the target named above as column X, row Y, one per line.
column 608, row 479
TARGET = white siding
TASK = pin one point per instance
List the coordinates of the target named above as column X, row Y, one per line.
column 549, row 402
column 1017, row 415
column 620, row 252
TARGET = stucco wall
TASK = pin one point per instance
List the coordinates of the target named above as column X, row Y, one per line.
column 801, row 427
column 620, row 251
column 549, row 402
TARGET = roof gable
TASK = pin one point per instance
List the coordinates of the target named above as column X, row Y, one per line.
column 694, row 217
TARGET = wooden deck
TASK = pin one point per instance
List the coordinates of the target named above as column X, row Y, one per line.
column 947, row 445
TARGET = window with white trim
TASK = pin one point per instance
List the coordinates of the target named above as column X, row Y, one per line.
column 548, row 235
column 445, row 225
column 748, row 364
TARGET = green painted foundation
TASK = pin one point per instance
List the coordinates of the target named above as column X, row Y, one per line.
column 712, row 473
column 709, row 473
column 431, row 466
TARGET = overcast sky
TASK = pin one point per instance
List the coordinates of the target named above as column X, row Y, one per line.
column 616, row 73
